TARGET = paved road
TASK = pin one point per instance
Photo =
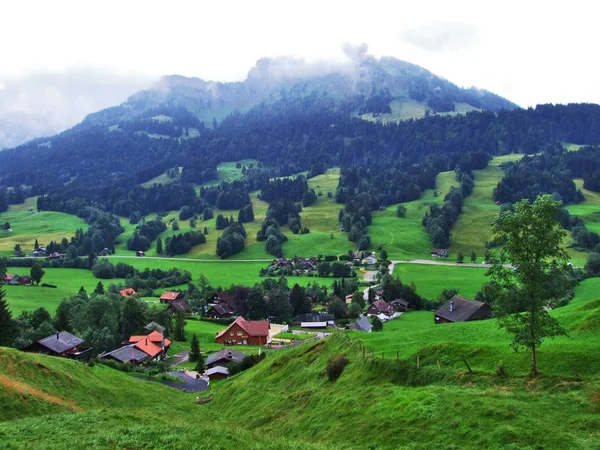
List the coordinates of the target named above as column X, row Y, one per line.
column 188, row 259
column 188, row 383
column 440, row 263
column 179, row 358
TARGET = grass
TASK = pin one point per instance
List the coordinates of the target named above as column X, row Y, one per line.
column 430, row 280
column 68, row 282
column 163, row 178
column 27, row 226
column 228, row 171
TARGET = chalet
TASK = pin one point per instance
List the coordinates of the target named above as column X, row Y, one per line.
column 362, row 324
column 244, row 332
column 225, row 298
column 224, row 358
column 313, row 325
column 55, row 255
column 153, row 326
column 400, row 304
column 128, row 292
column 439, row 253
column 11, row 279
column 179, row 305
column 217, row 373
column 39, row 253
column 61, row 344
column 282, row 262
column 380, row 307
column 219, row 311
column 459, row 309
column 140, row 253
column 24, row 281
column 369, row 261
column 317, row 317
column 169, row 296
column 305, row 264
column 155, row 345
column 128, row 353
column 348, row 299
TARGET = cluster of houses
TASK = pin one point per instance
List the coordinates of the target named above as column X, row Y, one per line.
column 143, row 348
column 16, row 280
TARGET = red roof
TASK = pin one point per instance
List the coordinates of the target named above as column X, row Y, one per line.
column 149, row 347
column 10, row 276
column 154, row 337
column 127, row 292
column 170, row 296
column 252, row 327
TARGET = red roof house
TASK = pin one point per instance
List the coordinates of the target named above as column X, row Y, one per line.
column 127, row 292
column 245, row 332
column 154, row 345
column 169, row 296
column 380, row 307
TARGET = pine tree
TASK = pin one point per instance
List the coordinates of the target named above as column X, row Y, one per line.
column 473, row 257
column 179, row 326
column 36, row 245
column 195, row 354
column 99, row 288
column 205, row 231
column 8, row 327
column 159, row 246
column 460, row 258
column 200, row 364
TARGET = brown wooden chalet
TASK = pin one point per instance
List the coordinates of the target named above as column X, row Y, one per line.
column 62, row 344
column 217, row 373
column 169, row 296
column 179, row 305
column 459, row 309
column 380, row 307
column 219, row 311
column 224, row 358
column 400, row 304
column 245, row 332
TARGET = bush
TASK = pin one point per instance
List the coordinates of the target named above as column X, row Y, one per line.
column 335, row 366
column 377, row 324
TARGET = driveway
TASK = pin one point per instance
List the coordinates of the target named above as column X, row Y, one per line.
column 179, row 358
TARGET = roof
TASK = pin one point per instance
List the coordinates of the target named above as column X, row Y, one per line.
column 252, row 327
column 222, row 309
column 126, row 353
column 229, row 300
column 61, row 342
column 231, row 355
column 127, row 292
column 315, row 317
column 313, row 324
column 463, row 309
column 180, row 305
column 153, row 326
column 217, row 369
column 382, row 306
column 362, row 324
column 170, row 296
column 10, row 276
column 400, row 302
column 149, row 347
column 155, row 337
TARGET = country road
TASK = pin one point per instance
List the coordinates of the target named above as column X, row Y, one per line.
column 188, row 259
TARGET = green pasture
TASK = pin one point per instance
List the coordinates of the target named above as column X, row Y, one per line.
column 431, row 279
column 27, row 226
column 228, row 171
column 163, row 178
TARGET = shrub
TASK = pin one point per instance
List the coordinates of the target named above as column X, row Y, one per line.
column 335, row 366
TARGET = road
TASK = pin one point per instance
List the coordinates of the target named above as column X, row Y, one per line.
column 188, row 259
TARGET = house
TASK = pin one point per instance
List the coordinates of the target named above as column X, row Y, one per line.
column 244, row 332
column 127, row 353
column 217, row 373
column 348, row 299
column 369, row 261
column 169, row 296
column 55, row 255
column 362, row 324
column 11, row 279
column 380, row 307
column 39, row 253
column 24, row 281
column 140, row 253
column 439, row 252
column 128, row 292
column 62, row 344
column 224, row 358
column 317, row 317
column 459, row 309
column 153, row 326
column 219, row 311
column 400, row 304
column 225, row 298
column 155, row 345
column 313, row 324
column 179, row 305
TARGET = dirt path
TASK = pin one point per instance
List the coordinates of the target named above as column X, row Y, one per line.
column 23, row 388
column 179, row 358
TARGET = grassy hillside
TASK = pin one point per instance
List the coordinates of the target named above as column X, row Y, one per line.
column 27, row 226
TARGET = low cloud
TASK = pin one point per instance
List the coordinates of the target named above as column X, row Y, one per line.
column 440, row 36
column 44, row 104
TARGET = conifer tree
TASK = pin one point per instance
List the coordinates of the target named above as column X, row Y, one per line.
column 159, row 246
column 99, row 288
column 195, row 354
column 8, row 327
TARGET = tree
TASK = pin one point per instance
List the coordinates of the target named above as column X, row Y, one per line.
column 17, row 248
column 384, row 255
column 324, row 269
column 99, row 288
column 359, row 298
column 533, row 245
column 179, row 334
column 159, row 246
column 401, row 210
column 199, row 364
column 132, row 317
column 460, row 258
column 36, row 273
column 36, row 245
column 195, row 354
column 337, row 308
column 592, row 265
column 8, row 327
column 175, row 225
column 205, row 231
column 377, row 324
column 473, row 256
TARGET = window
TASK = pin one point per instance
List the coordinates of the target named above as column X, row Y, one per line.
column 231, row 333
column 239, row 333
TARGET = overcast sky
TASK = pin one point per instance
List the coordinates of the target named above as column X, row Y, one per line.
column 527, row 51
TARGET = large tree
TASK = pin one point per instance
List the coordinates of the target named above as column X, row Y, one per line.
column 36, row 273
column 538, row 274
column 195, row 354
column 8, row 327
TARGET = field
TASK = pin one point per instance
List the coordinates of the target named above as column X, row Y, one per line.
column 589, row 209
column 430, row 280
column 27, row 226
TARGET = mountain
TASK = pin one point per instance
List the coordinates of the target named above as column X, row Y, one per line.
column 382, row 89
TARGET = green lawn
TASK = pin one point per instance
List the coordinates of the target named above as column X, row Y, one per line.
column 430, row 280
column 27, row 226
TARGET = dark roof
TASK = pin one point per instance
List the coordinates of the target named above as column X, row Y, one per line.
column 382, row 306
column 153, row 326
column 217, row 370
column 230, row 355
column 222, row 309
column 126, row 354
column 229, row 300
column 400, row 302
column 60, row 342
column 315, row 317
column 362, row 324
column 463, row 309
column 180, row 305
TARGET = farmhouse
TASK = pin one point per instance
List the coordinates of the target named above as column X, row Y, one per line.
column 25, row 281
column 127, row 353
column 244, row 332
column 128, row 292
column 179, row 305
column 219, row 311
column 362, row 324
column 10, row 278
column 169, row 296
column 400, row 304
column 459, row 309
column 155, row 345
column 60, row 344
column 439, row 252
column 217, row 373
column 380, row 307
column 317, row 317
column 223, row 358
